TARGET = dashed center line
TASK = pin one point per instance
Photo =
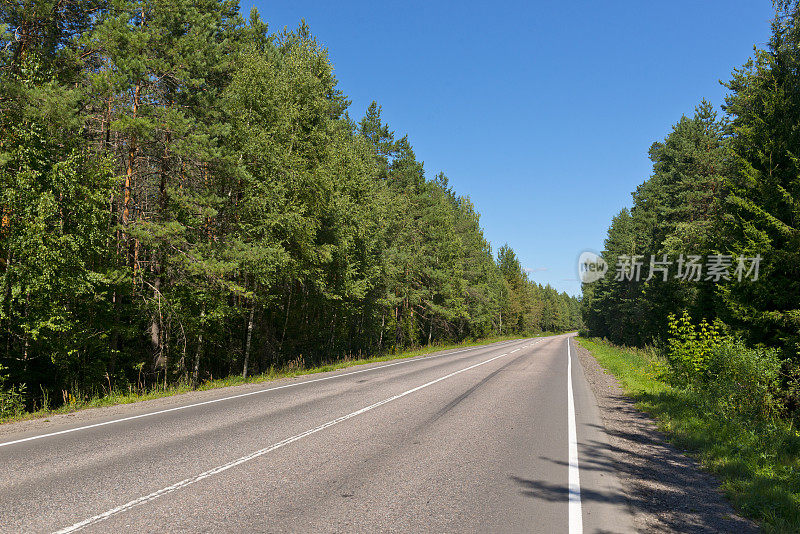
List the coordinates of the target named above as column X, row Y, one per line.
column 219, row 469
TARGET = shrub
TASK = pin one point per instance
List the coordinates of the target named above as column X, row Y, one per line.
column 744, row 381
column 12, row 398
column 689, row 350
column 733, row 379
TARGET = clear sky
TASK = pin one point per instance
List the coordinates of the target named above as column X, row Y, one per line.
column 541, row 112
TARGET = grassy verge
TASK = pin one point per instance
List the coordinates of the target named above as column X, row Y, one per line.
column 756, row 458
column 129, row 396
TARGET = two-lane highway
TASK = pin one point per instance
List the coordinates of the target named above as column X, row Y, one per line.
column 482, row 439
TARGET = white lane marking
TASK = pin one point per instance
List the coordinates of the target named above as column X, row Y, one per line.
column 575, row 512
column 260, row 391
column 219, row 469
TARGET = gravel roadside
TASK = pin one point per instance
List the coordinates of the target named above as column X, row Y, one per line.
column 666, row 490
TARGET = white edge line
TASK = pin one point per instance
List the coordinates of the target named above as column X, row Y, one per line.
column 575, row 511
column 260, row 391
column 219, row 469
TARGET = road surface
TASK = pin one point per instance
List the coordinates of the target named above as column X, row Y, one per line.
column 484, row 439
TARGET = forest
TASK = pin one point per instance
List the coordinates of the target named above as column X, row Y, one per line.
column 726, row 186
column 185, row 195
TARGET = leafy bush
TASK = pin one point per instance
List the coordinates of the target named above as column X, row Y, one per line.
column 733, row 379
column 690, row 350
column 745, row 381
column 12, row 398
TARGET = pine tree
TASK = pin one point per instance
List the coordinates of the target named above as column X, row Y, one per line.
column 762, row 209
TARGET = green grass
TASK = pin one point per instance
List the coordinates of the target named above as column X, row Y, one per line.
column 80, row 402
column 756, row 459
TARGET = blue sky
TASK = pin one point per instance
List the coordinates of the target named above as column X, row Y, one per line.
column 541, row 112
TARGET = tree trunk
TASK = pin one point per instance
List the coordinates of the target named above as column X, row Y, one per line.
column 155, row 328
column 114, row 342
column 247, row 342
column 131, row 157
column 7, row 296
column 196, row 371
column 501, row 322
column 128, row 193
column 165, row 348
column 333, row 334
column 383, row 322
column 286, row 320
column 25, row 336
column 107, row 125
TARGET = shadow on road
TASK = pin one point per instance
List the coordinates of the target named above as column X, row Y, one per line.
column 665, row 490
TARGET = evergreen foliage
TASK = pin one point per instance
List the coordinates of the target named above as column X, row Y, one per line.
column 183, row 195
column 720, row 186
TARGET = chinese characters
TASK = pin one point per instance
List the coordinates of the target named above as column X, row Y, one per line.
column 688, row 268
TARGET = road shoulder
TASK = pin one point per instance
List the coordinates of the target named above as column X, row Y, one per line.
column 666, row 490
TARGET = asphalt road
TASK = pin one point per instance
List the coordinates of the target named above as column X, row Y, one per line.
column 472, row 440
